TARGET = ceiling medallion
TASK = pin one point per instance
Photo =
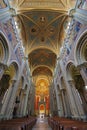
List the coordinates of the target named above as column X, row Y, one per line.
column 34, row 30
column 42, row 39
column 51, row 31
column 42, row 19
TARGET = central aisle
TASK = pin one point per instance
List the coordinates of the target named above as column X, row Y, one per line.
column 42, row 124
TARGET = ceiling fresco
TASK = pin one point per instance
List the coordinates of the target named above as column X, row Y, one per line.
column 42, row 88
column 42, row 70
column 25, row 5
column 41, row 28
column 42, row 57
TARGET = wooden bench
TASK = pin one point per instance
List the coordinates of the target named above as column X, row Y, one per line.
column 58, row 123
column 18, row 124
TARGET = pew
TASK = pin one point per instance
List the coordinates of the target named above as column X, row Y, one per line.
column 18, row 124
column 59, row 123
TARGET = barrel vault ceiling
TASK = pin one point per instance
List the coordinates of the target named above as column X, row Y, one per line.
column 41, row 27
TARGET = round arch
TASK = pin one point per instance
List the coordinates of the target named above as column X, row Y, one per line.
column 69, row 69
column 8, row 79
column 4, row 48
column 42, row 108
column 42, row 78
column 42, row 66
column 81, row 49
column 78, row 83
column 40, row 69
column 15, row 66
column 42, row 47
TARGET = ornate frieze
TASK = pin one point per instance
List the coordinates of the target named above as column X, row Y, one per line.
column 72, row 34
column 42, row 4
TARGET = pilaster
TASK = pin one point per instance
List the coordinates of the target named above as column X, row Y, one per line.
column 73, row 107
column 77, row 101
column 5, row 108
column 64, row 102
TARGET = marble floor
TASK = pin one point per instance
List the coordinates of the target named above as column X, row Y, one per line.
column 41, row 124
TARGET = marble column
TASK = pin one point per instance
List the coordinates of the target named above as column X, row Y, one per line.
column 78, row 102
column 10, row 105
column 66, row 97
column 58, row 100
column 2, row 69
column 61, row 104
column 73, row 100
column 7, row 99
column 83, row 72
column 20, row 106
column 51, row 100
column 25, row 103
column 64, row 102
column 73, row 108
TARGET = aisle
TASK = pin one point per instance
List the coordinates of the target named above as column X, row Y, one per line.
column 41, row 124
